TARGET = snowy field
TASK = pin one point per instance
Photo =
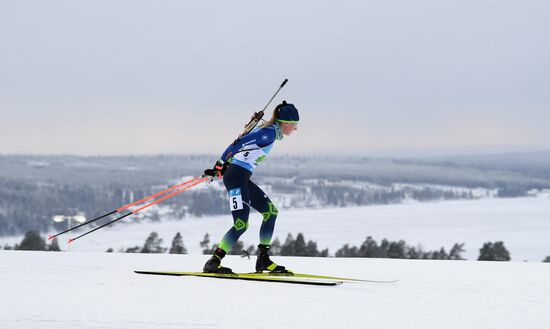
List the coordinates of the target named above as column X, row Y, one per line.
column 522, row 223
column 99, row 290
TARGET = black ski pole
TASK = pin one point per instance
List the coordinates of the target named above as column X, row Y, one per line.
column 85, row 223
column 101, row 226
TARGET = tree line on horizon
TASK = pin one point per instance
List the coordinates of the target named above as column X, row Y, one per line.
column 370, row 248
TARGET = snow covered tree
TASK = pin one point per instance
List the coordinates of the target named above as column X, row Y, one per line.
column 32, row 241
column 153, row 245
column 547, row 259
column 494, row 252
column 177, row 245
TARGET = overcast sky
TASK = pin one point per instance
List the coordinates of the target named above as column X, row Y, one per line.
column 369, row 77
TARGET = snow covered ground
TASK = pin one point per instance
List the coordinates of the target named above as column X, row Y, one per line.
column 522, row 223
column 99, row 290
column 94, row 289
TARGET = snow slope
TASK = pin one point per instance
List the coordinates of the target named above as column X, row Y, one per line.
column 100, row 290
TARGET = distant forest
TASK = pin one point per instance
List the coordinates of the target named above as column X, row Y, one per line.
column 370, row 248
column 33, row 189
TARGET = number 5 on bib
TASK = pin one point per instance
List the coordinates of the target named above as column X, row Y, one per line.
column 235, row 199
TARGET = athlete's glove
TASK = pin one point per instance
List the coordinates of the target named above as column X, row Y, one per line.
column 218, row 170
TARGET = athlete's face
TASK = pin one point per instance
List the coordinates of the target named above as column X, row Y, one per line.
column 288, row 128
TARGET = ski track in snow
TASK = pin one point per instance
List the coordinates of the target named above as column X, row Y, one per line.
column 100, row 290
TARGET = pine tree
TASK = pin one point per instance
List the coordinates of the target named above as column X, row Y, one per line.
column 205, row 241
column 54, row 246
column 300, row 245
column 153, row 245
column 177, row 245
column 456, row 252
column 206, row 250
column 494, row 252
column 251, row 250
column 311, row 249
column 287, row 249
column 133, row 250
column 546, row 260
column 32, row 241
column 237, row 249
column 397, row 250
column 441, row 254
column 369, row 248
column 323, row 253
column 384, row 246
column 275, row 249
column 346, row 251
column 413, row 253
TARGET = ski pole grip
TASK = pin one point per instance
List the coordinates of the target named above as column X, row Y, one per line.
column 284, row 83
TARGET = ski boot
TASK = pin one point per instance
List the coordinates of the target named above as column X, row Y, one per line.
column 213, row 265
column 264, row 263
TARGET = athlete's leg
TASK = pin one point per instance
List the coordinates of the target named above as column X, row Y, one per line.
column 261, row 202
column 236, row 182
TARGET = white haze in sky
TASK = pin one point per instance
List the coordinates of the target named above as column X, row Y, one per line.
column 369, row 77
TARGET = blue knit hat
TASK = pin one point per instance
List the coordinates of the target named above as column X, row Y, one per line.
column 287, row 113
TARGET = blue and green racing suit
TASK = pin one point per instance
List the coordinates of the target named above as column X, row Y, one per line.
column 252, row 148
column 244, row 156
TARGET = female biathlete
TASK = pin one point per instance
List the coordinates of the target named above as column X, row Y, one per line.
column 236, row 166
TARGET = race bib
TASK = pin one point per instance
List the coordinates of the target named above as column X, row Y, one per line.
column 235, row 199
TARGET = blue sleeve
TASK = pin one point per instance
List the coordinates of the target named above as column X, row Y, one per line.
column 260, row 138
